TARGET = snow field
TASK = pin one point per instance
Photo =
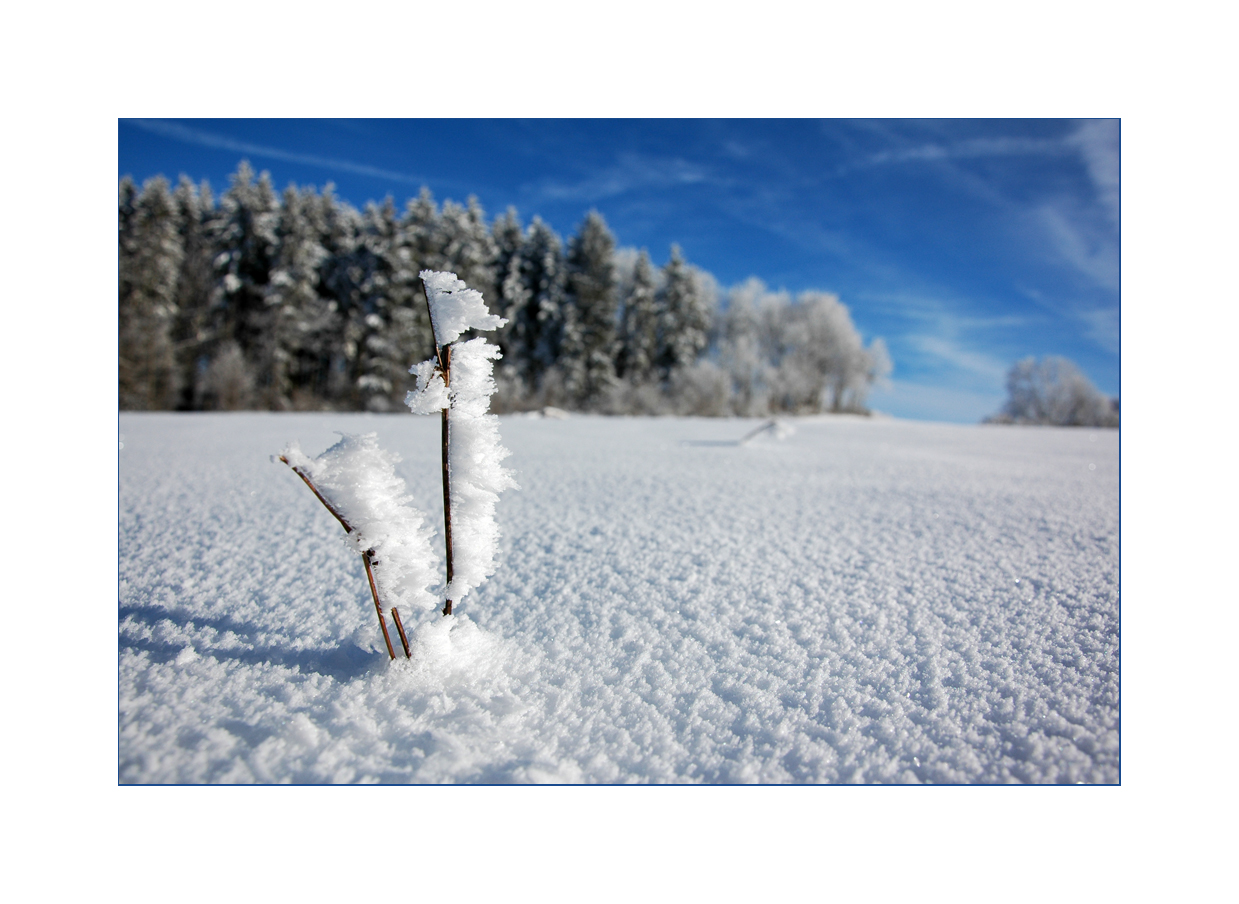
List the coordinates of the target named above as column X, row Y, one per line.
column 862, row 601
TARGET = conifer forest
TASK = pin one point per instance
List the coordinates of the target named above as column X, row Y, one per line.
column 264, row 300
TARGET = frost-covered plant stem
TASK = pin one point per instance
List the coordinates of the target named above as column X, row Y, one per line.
column 444, row 354
column 395, row 615
column 367, row 557
column 457, row 384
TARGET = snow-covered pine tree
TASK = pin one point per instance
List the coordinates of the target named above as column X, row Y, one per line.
column 149, row 265
column 367, row 330
column 420, row 225
column 388, row 328
column 458, row 383
column 340, row 280
column 510, row 293
column 421, row 237
column 245, row 240
column 128, row 192
column 683, row 316
column 510, row 296
column 539, row 325
column 228, row 381
column 294, row 356
column 590, row 346
column 463, row 245
column 193, row 335
column 126, row 218
column 639, row 324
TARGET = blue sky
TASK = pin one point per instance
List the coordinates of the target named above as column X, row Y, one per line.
column 965, row 244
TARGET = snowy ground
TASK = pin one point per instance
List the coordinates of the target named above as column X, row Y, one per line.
column 863, row 601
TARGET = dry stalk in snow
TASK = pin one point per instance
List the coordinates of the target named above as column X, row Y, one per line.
column 367, row 558
column 356, row 480
column 457, row 383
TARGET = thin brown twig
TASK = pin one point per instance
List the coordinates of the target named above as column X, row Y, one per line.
column 377, row 608
column 348, row 529
column 447, row 486
column 404, row 640
column 444, row 356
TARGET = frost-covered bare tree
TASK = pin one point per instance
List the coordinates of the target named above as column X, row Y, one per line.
column 824, row 365
column 227, row 383
column 1054, row 391
column 750, row 344
column 797, row 356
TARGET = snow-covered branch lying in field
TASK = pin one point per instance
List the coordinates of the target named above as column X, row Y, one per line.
column 460, row 381
column 357, row 482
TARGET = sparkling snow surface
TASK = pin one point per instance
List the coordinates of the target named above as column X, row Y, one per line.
column 862, row 601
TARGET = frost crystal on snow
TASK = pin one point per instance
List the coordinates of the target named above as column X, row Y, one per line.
column 359, row 480
column 454, row 307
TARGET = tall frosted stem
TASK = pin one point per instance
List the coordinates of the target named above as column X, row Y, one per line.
column 447, row 477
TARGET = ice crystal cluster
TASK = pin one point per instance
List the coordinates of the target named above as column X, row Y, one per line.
column 475, row 453
column 359, row 479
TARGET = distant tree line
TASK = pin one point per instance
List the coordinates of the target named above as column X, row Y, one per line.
column 1053, row 391
column 260, row 300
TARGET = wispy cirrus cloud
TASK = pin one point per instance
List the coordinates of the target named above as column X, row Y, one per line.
column 1079, row 231
column 949, row 340
column 959, row 150
column 1091, row 250
column 1097, row 323
column 944, row 316
column 201, row 138
column 1102, row 326
column 959, row 355
column 629, row 173
column 1097, row 141
column 1085, row 234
